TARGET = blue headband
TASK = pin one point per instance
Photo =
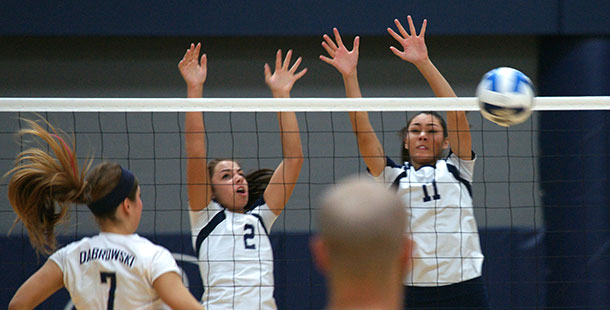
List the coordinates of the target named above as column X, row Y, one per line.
column 116, row 196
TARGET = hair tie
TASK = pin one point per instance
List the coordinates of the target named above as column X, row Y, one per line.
column 116, row 196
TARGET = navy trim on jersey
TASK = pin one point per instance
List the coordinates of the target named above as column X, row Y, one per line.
column 260, row 219
column 259, row 202
column 390, row 163
column 456, row 174
column 205, row 231
column 396, row 183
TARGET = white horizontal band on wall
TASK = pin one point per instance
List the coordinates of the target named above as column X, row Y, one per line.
column 282, row 104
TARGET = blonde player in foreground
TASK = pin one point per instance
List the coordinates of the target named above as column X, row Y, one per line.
column 230, row 221
column 361, row 247
column 116, row 269
column 446, row 269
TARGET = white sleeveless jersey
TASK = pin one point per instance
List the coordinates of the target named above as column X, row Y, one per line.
column 114, row 271
column 235, row 256
column 441, row 221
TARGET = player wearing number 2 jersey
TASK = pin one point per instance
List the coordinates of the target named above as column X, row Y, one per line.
column 116, row 269
column 229, row 229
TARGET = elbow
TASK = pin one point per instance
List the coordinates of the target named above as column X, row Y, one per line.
column 296, row 159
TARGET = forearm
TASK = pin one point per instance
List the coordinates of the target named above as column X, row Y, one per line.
column 194, row 134
column 194, row 91
column 198, row 188
column 459, row 134
column 292, row 148
column 368, row 143
column 352, row 86
column 435, row 79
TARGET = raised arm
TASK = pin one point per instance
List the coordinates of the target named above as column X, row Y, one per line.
column 194, row 72
column 346, row 62
column 285, row 176
column 416, row 52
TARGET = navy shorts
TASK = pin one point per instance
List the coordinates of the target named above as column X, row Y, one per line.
column 471, row 295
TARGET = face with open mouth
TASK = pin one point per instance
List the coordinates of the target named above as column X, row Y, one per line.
column 425, row 140
column 230, row 186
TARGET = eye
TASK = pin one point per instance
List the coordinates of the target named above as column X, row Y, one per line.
column 225, row 176
column 414, row 130
column 432, row 131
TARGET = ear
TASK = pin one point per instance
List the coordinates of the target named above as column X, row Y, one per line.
column 319, row 254
column 126, row 206
column 446, row 143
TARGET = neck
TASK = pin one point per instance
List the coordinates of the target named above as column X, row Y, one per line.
column 116, row 227
column 366, row 294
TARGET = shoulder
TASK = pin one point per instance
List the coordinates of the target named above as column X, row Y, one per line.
column 461, row 164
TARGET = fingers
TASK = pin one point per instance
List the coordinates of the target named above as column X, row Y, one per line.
column 267, row 71
column 204, row 60
column 278, row 59
column 295, row 66
column 329, row 42
column 395, row 35
column 283, row 65
column 356, row 44
column 328, row 49
column 197, row 50
column 401, row 29
column 337, row 37
column 287, row 60
column 326, row 60
column 411, row 26
column 395, row 51
column 422, row 32
column 300, row 74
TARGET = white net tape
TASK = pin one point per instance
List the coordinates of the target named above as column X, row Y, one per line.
column 277, row 104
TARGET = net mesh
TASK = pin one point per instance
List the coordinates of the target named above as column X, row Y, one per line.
column 147, row 136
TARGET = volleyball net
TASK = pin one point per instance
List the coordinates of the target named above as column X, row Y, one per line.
column 540, row 188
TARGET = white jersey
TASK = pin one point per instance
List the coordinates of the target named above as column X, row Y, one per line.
column 446, row 246
column 114, row 271
column 235, row 256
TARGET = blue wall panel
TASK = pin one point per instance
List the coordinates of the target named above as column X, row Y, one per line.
column 297, row 17
column 513, row 271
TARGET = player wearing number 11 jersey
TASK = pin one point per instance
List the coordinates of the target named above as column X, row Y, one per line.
column 229, row 229
column 446, row 260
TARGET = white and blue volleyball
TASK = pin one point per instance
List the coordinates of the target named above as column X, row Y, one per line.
column 506, row 96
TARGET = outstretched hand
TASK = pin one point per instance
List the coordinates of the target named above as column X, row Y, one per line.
column 283, row 78
column 194, row 70
column 414, row 46
column 343, row 60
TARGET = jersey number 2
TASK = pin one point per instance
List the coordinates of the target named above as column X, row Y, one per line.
column 436, row 195
column 109, row 276
column 249, row 234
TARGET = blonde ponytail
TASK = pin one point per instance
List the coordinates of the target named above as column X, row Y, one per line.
column 44, row 184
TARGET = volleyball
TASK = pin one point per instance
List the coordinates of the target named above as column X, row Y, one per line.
column 506, row 96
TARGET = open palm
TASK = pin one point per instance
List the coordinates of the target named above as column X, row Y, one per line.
column 193, row 70
column 344, row 60
column 413, row 45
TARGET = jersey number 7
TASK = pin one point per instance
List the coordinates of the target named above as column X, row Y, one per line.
column 109, row 276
